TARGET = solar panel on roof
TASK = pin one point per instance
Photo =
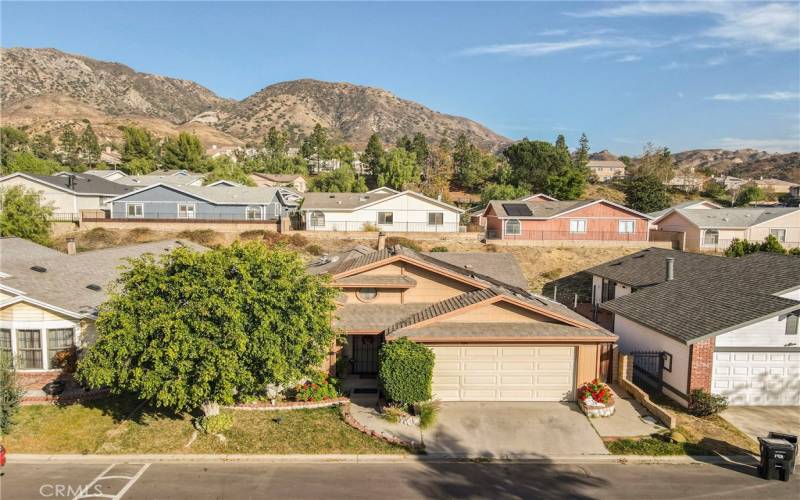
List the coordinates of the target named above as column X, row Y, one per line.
column 517, row 209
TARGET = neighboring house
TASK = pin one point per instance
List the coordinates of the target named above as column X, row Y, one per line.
column 294, row 181
column 726, row 325
column 730, row 183
column 49, row 301
column 606, row 170
column 493, row 340
column 109, row 175
column 776, row 186
column 110, row 157
column 223, row 203
column 476, row 214
column 715, row 229
column 173, row 177
column 68, row 193
column 586, row 220
column 382, row 208
column 686, row 181
column 693, row 204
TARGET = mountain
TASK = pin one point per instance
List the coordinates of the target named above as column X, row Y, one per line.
column 746, row 163
column 45, row 89
column 604, row 155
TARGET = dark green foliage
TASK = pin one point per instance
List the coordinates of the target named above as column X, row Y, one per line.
column 214, row 424
column 184, row 152
column 740, row 248
column 501, row 192
column 704, row 404
column 23, row 216
column 341, row 180
column 12, row 141
column 69, row 147
column 28, row 163
column 654, row 446
column 399, row 170
column 196, row 329
column 472, row 168
column 276, row 144
column 582, row 155
column 405, row 370
column 646, row 194
column 373, row 155
column 316, row 147
column 223, row 168
column 542, row 167
column 749, row 194
column 88, row 145
column 314, row 249
column 138, row 143
column 10, row 394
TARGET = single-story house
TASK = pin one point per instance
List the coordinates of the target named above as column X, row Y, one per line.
column 68, row 193
column 585, row 220
column 777, row 186
column 294, row 181
column 687, row 181
column 694, row 204
column 382, row 208
column 493, row 340
column 476, row 214
column 606, row 170
column 726, row 325
column 49, row 301
column 208, row 203
column 173, row 177
column 715, row 229
column 729, row 182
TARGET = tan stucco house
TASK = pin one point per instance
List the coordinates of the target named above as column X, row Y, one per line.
column 704, row 229
column 493, row 340
column 295, row 181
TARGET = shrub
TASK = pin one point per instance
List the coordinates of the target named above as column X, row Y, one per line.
column 399, row 240
column 393, row 414
column 298, row 240
column 316, row 390
column 369, row 227
column 140, row 233
column 439, row 249
column 10, row 394
column 253, row 234
column 199, row 236
column 427, row 412
column 100, row 236
column 215, row 424
column 703, row 403
column 405, row 370
column 314, row 249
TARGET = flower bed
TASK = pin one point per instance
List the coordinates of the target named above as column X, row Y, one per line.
column 596, row 399
column 288, row 405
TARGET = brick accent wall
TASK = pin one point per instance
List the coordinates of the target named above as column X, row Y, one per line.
column 701, row 364
column 34, row 381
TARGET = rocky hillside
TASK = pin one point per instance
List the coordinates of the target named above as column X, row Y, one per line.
column 746, row 163
column 44, row 89
column 354, row 112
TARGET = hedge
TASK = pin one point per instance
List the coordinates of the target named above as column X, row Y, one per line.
column 405, row 371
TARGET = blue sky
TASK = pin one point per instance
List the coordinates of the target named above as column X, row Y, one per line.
column 684, row 75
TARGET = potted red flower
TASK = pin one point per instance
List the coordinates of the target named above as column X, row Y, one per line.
column 596, row 399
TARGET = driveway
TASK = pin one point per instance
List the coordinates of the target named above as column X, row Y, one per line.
column 758, row 421
column 508, row 430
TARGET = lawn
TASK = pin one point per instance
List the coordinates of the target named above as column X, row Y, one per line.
column 121, row 426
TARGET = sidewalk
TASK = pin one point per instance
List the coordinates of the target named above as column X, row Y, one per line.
column 627, row 420
column 363, row 408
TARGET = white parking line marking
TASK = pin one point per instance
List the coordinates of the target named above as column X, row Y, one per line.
column 131, row 480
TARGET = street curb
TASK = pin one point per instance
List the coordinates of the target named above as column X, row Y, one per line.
column 23, row 458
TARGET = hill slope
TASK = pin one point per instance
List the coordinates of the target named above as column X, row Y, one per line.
column 747, row 163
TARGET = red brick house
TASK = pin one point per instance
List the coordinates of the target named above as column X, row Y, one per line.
column 582, row 220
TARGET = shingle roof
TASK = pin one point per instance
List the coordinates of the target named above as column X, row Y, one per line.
column 231, row 194
column 340, row 201
column 734, row 217
column 648, row 267
column 685, row 204
column 501, row 266
column 278, row 177
column 709, row 295
column 378, row 280
column 540, row 209
column 372, row 317
column 84, row 184
column 161, row 177
column 64, row 283
column 478, row 331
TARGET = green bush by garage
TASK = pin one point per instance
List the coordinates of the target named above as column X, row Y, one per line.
column 405, row 371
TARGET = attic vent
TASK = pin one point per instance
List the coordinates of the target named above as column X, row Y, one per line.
column 94, row 287
column 39, row 269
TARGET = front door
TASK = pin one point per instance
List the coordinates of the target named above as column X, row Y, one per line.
column 365, row 354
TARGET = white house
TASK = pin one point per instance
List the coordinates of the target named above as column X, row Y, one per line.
column 726, row 325
column 382, row 208
column 68, row 194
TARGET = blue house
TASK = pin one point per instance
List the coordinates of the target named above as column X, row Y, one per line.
column 220, row 202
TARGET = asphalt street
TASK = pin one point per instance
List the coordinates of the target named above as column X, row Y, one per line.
column 372, row 481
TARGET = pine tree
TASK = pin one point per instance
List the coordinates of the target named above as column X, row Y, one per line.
column 89, row 147
column 373, row 155
column 42, row 146
column 316, row 146
column 582, row 156
column 184, row 152
column 69, row 147
column 138, row 143
column 276, row 143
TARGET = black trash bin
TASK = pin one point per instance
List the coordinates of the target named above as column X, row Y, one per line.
column 777, row 457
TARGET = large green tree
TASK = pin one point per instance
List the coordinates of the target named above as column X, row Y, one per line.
column 501, row 192
column 22, row 215
column 28, row 163
column 582, row 155
column 138, row 143
column 89, row 146
column 198, row 330
column 373, row 155
column 184, row 152
column 224, row 168
column 341, row 180
column 276, row 143
column 748, row 194
column 399, row 170
column 472, row 168
column 12, row 141
column 439, row 174
column 69, row 146
column 646, row 194
column 316, row 147
column 542, row 167
column 42, row 146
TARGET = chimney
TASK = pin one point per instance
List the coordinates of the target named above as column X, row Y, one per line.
column 381, row 240
column 71, row 248
column 71, row 181
column 670, row 268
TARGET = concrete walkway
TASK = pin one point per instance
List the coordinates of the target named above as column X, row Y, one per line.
column 363, row 408
column 628, row 419
column 758, row 421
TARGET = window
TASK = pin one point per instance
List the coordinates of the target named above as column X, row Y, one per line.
column 609, row 290
column 253, row 213
column 135, row 210
column 577, row 226
column 627, row 226
column 29, row 347
column 386, row 218
column 186, row 210
column 791, row 323
column 513, row 227
column 779, row 233
column 317, row 219
column 711, row 237
column 59, row 340
column 367, row 294
column 435, row 218
column 5, row 344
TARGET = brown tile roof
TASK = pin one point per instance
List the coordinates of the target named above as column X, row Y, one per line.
column 477, row 331
column 372, row 317
column 377, row 280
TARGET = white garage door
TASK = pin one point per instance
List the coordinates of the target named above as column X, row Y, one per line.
column 757, row 378
column 513, row 373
